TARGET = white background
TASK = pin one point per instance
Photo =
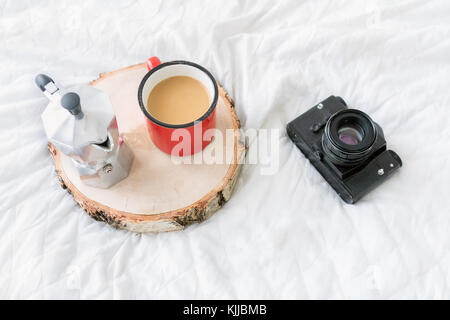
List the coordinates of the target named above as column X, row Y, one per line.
column 282, row 236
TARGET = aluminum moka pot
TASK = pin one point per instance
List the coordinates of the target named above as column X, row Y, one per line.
column 80, row 122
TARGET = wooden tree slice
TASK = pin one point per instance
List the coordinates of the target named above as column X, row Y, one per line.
column 158, row 195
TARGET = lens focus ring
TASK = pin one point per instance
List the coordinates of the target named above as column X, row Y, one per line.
column 348, row 137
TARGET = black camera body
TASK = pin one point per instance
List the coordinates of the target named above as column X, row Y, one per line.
column 345, row 146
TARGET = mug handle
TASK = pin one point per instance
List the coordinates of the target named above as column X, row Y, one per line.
column 152, row 62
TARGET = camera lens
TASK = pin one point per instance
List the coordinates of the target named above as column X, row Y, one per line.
column 350, row 134
column 348, row 137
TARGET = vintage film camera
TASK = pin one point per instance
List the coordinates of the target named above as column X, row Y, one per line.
column 345, row 146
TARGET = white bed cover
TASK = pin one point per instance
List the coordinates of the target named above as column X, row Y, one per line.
column 286, row 235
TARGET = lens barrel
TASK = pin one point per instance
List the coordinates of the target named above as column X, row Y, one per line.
column 348, row 137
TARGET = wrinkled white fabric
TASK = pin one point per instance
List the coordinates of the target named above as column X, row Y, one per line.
column 286, row 235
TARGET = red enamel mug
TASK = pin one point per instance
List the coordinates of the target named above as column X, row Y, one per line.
column 168, row 137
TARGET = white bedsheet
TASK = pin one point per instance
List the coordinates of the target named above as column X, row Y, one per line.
column 286, row 235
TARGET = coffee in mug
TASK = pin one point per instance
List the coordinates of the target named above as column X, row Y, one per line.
column 178, row 100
